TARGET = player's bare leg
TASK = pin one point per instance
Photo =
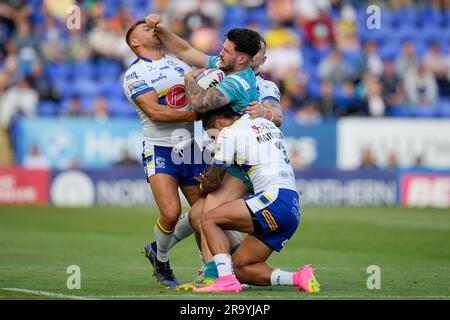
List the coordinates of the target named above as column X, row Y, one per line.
column 183, row 228
column 165, row 191
column 249, row 262
column 231, row 189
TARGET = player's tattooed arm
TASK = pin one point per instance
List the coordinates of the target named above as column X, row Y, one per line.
column 274, row 111
column 270, row 110
column 213, row 179
column 202, row 100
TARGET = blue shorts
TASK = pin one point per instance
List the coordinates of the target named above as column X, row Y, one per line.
column 178, row 164
column 278, row 214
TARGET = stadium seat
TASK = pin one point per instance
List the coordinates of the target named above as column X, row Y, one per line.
column 110, row 88
column 444, row 108
column 404, row 17
column 398, row 111
column 120, row 108
column 83, row 70
column 425, row 111
column 47, row 109
column 85, row 87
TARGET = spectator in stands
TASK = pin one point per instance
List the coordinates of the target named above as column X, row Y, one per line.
column 407, row 60
column 11, row 63
column 53, row 42
column 75, row 107
column 309, row 113
column 281, row 11
column 392, row 161
column 326, row 99
column 348, row 101
column 19, row 99
column 333, row 68
column 370, row 61
column 42, row 84
column 100, row 108
column 346, row 31
column 376, row 106
column 393, row 90
column 367, row 159
column 421, row 87
column 319, row 32
column 283, row 53
column 310, row 9
column 439, row 66
column 35, row 160
column 106, row 43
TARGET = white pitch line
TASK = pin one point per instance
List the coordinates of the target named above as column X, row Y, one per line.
column 49, row 294
column 193, row 295
column 300, row 297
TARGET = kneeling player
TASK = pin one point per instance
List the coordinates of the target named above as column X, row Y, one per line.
column 270, row 216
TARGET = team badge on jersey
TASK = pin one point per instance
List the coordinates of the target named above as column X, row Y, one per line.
column 160, row 162
column 176, row 97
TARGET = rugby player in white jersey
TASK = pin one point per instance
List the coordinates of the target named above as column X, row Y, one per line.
column 270, row 216
column 154, row 84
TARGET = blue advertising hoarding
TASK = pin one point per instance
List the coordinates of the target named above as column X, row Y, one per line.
column 365, row 187
column 127, row 186
column 78, row 142
column 96, row 144
column 311, row 145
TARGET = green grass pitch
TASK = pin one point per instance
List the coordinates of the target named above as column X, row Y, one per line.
column 37, row 244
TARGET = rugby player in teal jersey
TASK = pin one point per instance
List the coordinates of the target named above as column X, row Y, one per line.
column 238, row 90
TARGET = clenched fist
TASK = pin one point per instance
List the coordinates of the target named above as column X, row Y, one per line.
column 154, row 22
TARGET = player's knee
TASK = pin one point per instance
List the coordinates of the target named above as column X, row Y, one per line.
column 170, row 216
column 207, row 219
column 195, row 219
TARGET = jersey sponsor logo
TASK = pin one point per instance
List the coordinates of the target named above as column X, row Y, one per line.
column 180, row 70
column 231, row 85
column 269, row 136
column 137, row 86
column 161, row 77
column 176, row 97
column 241, row 81
column 132, row 75
column 164, row 68
column 257, row 128
column 270, row 220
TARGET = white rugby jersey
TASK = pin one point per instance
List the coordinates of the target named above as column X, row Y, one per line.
column 258, row 146
column 166, row 78
column 266, row 89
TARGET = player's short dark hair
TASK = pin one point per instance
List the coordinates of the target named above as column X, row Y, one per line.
column 209, row 117
column 131, row 29
column 245, row 40
column 264, row 44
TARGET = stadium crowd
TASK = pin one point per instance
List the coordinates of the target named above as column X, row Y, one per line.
column 321, row 54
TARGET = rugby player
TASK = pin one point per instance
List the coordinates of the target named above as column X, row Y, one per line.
column 154, row 84
column 235, row 184
column 270, row 216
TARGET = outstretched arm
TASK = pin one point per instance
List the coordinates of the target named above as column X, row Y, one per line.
column 176, row 45
column 202, row 100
